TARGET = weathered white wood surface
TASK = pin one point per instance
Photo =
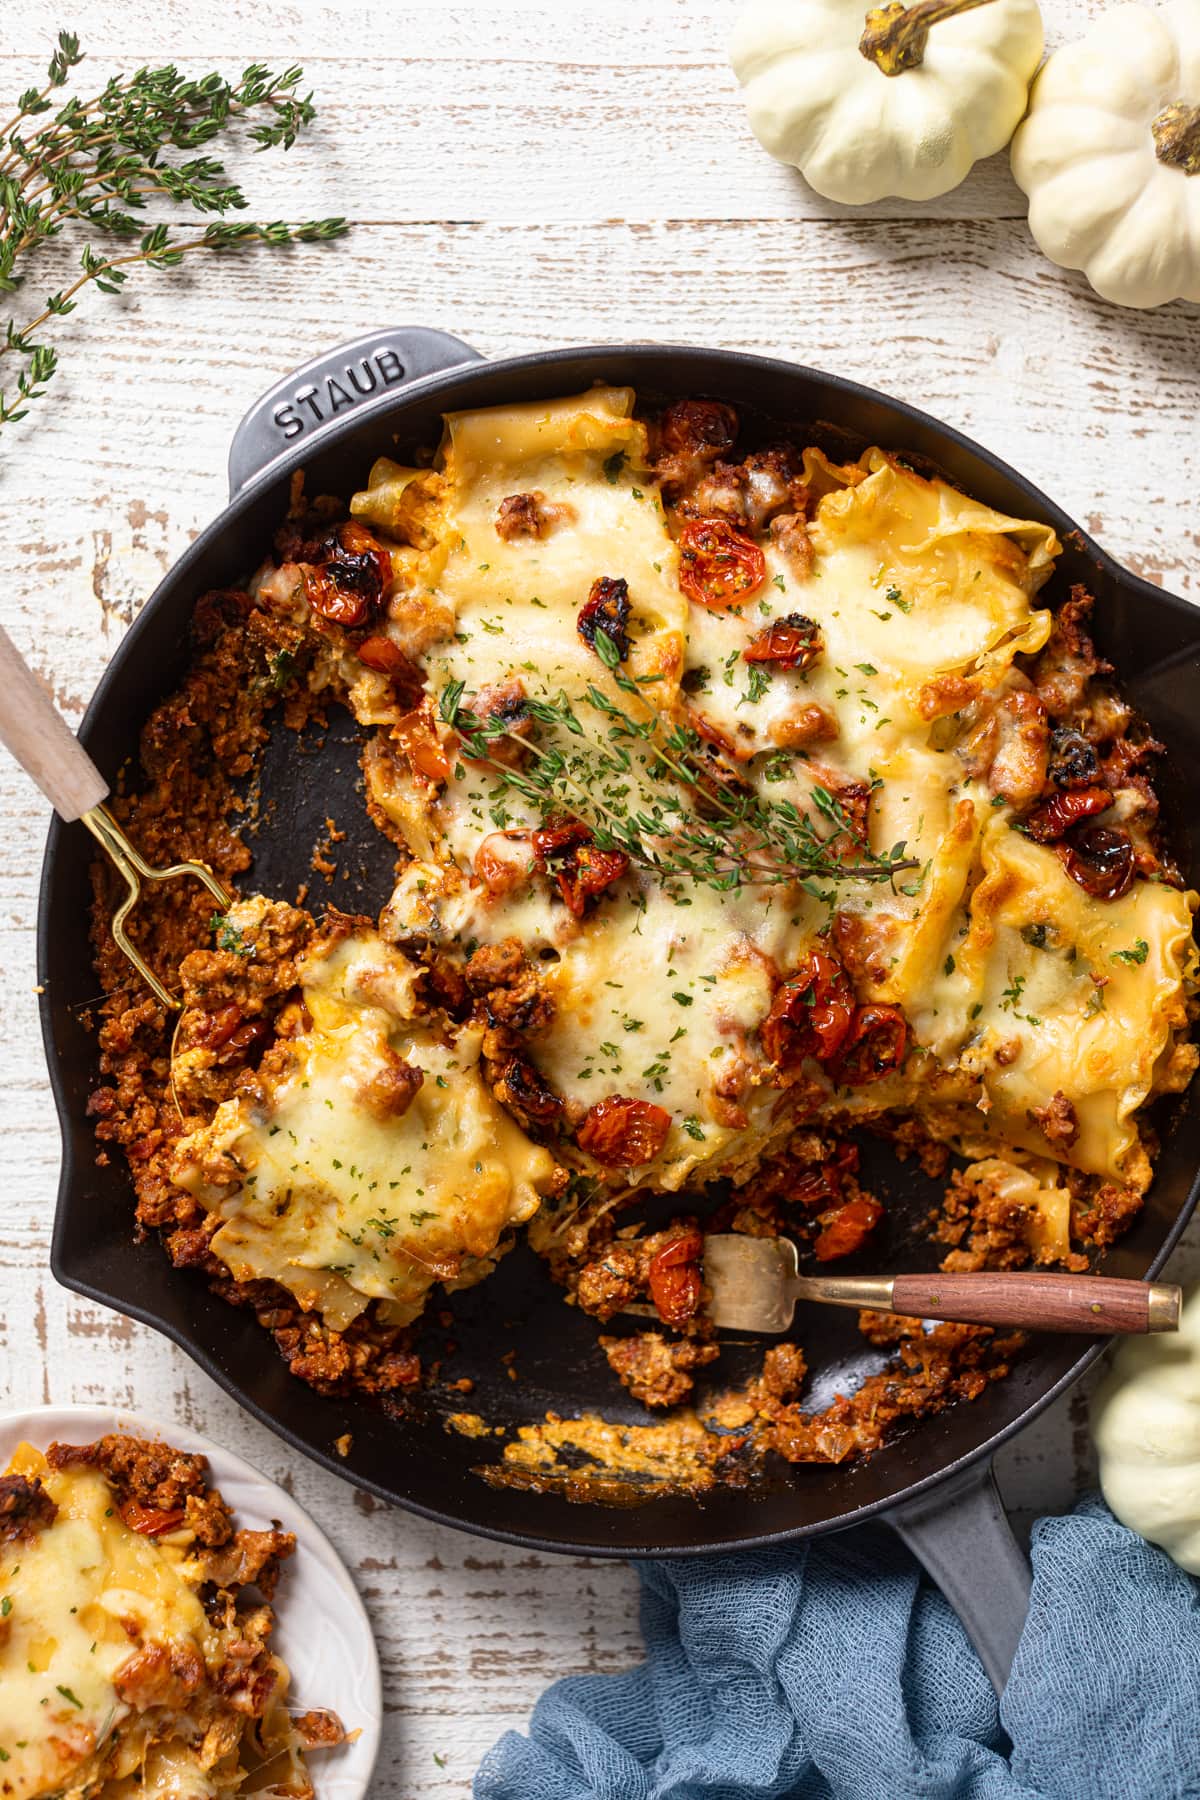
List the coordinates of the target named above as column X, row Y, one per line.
column 525, row 175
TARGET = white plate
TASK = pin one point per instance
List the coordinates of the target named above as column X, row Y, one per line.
column 323, row 1633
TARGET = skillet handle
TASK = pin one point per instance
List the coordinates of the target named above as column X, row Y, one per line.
column 960, row 1532
column 326, row 390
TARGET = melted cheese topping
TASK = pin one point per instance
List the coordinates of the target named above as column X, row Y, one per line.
column 63, row 1597
column 923, row 598
column 331, row 1185
column 912, row 584
column 1052, row 992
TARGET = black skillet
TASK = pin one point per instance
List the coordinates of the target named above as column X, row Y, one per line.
column 385, row 394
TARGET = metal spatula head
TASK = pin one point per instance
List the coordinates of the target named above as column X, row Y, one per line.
column 755, row 1283
column 751, row 1281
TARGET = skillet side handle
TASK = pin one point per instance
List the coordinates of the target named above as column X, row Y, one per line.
column 327, row 389
column 960, row 1532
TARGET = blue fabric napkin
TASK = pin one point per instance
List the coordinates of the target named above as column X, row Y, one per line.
column 836, row 1671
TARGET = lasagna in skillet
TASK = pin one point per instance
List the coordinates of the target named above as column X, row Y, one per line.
column 743, row 802
column 135, row 1628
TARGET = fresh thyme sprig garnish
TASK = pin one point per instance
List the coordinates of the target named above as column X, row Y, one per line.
column 646, row 786
column 99, row 160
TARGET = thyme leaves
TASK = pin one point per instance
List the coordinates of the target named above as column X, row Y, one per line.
column 98, row 161
column 647, row 784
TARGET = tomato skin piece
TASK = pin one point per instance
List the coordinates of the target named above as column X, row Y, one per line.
column 151, row 1521
column 417, row 736
column 559, row 837
column 383, row 656
column 812, row 1012
column 606, row 609
column 848, row 1228
column 719, row 566
column 624, row 1133
column 590, row 872
column 674, row 1279
column 792, row 642
column 1055, row 817
column 875, row 1045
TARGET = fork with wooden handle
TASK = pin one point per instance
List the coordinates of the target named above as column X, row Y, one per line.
column 52, row 756
column 754, row 1284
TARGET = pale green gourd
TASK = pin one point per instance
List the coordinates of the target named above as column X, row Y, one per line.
column 1146, row 1426
column 891, row 100
column 1110, row 155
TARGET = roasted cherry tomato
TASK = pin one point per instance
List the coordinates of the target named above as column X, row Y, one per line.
column 559, row 837
column 622, row 1132
column 215, row 1029
column 700, row 428
column 847, row 1229
column 384, row 656
column 875, row 1046
column 417, row 736
column 1073, row 761
column 606, row 609
column 240, row 1046
column 151, row 1521
column 346, row 586
column 719, row 566
column 823, row 1184
column 811, row 1013
column 581, row 869
column 504, row 861
column 526, row 1089
column 674, row 1279
column 587, row 874
column 1055, row 817
column 793, row 642
column 1100, row 859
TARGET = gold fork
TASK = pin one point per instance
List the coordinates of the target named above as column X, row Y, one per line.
column 52, row 756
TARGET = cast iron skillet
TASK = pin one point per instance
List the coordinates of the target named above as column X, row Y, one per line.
column 385, row 393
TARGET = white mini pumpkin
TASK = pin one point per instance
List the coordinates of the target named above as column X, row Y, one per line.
column 891, row 100
column 1146, row 1425
column 1110, row 155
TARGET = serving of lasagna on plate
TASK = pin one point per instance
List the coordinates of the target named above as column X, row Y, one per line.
column 745, row 802
column 135, row 1634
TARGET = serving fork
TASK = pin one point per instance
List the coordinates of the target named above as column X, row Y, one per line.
column 52, row 756
column 754, row 1284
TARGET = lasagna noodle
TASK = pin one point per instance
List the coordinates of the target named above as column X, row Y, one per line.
column 340, row 1196
column 1025, row 986
column 656, row 993
column 922, row 597
column 81, row 1597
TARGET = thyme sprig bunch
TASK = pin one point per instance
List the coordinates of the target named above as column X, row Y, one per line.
column 98, row 161
column 645, row 785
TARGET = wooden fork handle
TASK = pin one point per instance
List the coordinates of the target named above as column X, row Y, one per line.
column 1099, row 1305
column 43, row 743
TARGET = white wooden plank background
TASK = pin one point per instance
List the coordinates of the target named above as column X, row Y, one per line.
column 524, row 175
